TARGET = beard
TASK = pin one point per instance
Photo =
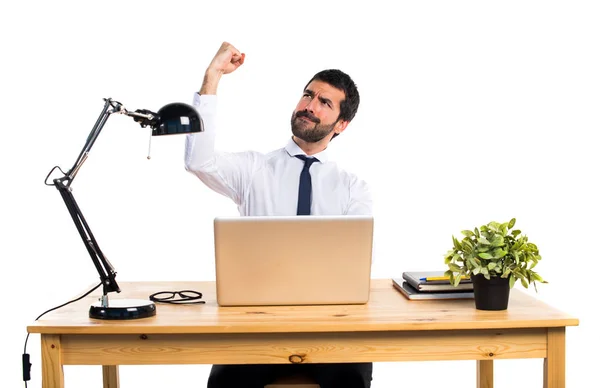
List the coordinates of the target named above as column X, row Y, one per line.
column 308, row 132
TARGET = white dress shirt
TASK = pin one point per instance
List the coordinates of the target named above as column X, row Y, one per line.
column 267, row 184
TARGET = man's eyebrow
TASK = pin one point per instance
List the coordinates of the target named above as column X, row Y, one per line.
column 322, row 99
column 325, row 100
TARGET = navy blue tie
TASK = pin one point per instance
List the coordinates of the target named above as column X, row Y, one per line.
column 305, row 189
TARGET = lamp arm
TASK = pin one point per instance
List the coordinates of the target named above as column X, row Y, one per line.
column 105, row 269
column 103, row 266
column 106, row 112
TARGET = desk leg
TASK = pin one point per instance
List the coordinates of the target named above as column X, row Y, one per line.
column 110, row 376
column 554, row 363
column 52, row 367
column 485, row 374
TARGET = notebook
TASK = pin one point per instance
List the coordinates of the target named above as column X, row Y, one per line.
column 293, row 260
column 412, row 293
column 434, row 281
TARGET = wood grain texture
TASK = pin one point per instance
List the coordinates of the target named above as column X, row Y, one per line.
column 110, row 376
column 388, row 328
column 485, row 374
column 554, row 363
column 52, row 363
column 303, row 347
column 387, row 310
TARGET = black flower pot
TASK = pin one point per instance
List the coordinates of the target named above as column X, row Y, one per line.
column 490, row 294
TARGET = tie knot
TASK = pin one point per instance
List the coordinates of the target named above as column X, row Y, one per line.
column 307, row 160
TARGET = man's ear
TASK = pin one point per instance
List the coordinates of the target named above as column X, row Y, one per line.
column 340, row 126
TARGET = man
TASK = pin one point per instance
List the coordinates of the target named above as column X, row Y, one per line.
column 295, row 180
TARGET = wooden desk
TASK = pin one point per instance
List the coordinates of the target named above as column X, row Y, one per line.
column 388, row 328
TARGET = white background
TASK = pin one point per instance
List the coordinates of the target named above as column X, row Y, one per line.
column 471, row 111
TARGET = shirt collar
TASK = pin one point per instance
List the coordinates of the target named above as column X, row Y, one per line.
column 292, row 149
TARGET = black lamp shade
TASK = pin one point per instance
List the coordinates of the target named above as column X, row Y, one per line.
column 177, row 118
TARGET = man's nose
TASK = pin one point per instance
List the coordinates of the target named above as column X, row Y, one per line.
column 310, row 106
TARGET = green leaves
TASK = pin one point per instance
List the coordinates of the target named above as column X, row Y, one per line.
column 473, row 262
column 457, row 245
column 468, row 233
column 511, row 223
column 483, row 240
column 494, row 250
column 454, row 267
column 499, row 253
column 497, row 241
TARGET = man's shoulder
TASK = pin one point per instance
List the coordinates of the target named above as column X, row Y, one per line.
column 344, row 173
column 255, row 156
column 277, row 153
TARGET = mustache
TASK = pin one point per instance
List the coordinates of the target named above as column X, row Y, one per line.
column 305, row 113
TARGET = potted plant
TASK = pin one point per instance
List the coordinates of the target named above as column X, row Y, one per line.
column 494, row 256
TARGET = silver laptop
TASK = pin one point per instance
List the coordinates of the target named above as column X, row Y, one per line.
column 295, row 260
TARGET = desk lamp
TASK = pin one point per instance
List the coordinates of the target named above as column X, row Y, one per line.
column 175, row 118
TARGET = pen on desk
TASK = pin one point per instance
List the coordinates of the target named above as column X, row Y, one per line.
column 434, row 278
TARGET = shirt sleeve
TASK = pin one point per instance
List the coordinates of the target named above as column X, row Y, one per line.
column 226, row 173
column 361, row 201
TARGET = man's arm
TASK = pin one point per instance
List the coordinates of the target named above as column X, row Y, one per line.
column 200, row 148
column 222, row 172
column 361, row 201
column 226, row 61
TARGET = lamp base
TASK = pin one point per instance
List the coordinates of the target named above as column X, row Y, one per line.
column 123, row 309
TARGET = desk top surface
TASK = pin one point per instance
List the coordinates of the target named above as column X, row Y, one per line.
column 387, row 310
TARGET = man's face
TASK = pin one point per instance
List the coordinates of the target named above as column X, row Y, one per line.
column 316, row 115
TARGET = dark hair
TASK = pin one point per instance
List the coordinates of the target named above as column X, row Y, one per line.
column 342, row 81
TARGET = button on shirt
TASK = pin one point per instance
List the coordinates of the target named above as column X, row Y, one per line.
column 267, row 184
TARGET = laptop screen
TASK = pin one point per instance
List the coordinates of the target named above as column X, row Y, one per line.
column 291, row 260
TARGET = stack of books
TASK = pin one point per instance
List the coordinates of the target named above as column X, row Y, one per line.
column 432, row 285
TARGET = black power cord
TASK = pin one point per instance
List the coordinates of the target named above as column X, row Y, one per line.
column 25, row 358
